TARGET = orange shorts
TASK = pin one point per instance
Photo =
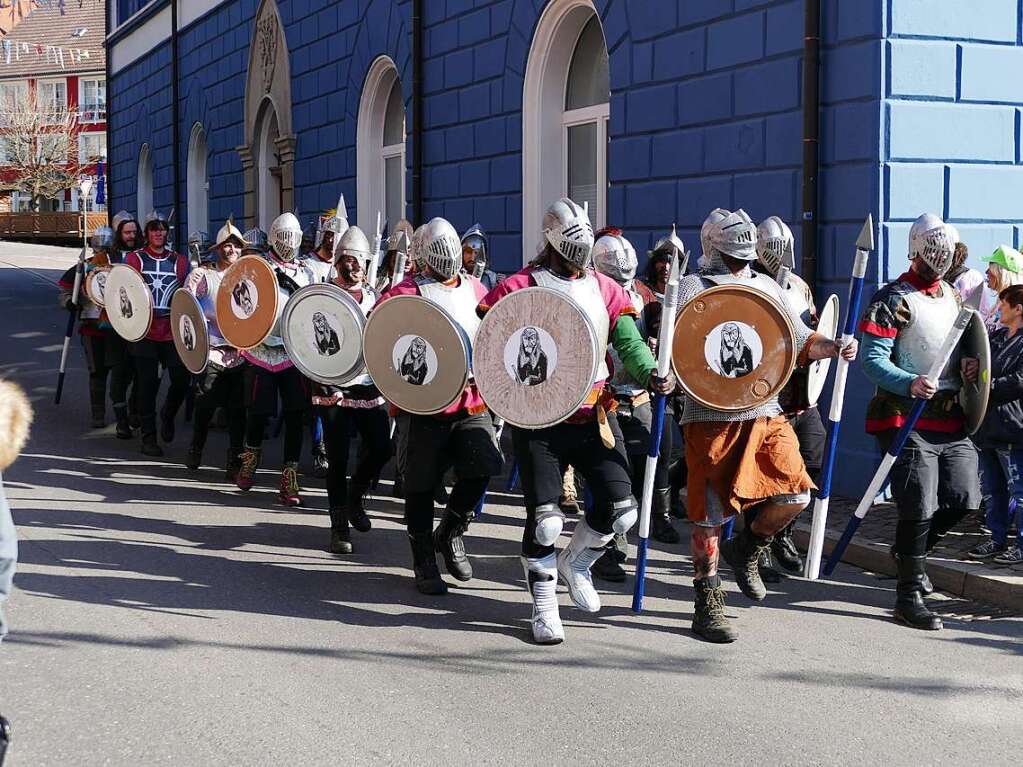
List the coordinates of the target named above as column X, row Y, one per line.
column 742, row 463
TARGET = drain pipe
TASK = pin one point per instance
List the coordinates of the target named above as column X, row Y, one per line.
column 175, row 148
column 811, row 139
column 417, row 112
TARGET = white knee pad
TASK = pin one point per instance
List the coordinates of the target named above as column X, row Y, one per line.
column 802, row 500
column 550, row 520
column 624, row 514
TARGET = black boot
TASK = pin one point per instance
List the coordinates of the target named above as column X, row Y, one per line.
column 926, row 587
column 123, row 424
column 447, row 540
column 909, row 602
column 356, row 512
column 743, row 553
column 340, row 538
column 321, row 466
column 424, row 565
column 661, row 527
column 150, row 446
column 709, row 619
column 608, row 567
column 233, row 464
column 784, row 551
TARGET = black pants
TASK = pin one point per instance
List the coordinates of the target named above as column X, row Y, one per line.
column 340, row 424
column 94, row 347
column 541, row 453
column 262, row 388
column 636, row 424
column 220, row 387
column 149, row 357
column 122, row 372
column 810, row 432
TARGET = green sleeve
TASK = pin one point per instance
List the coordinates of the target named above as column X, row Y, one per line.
column 632, row 349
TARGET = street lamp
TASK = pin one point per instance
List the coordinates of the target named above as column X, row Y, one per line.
column 85, row 186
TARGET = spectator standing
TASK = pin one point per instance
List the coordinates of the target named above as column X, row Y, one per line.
column 15, row 418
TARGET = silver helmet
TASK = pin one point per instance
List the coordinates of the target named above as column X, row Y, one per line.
column 334, row 221
column 121, row 217
column 154, row 215
column 567, row 228
column 355, row 243
column 441, row 248
column 198, row 245
column 614, row 256
column 775, row 245
column 476, row 240
column 255, row 241
column 729, row 234
column 931, row 242
column 229, row 232
column 102, row 238
column 285, row 236
column 415, row 246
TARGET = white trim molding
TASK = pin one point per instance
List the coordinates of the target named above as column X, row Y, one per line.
column 197, row 181
column 370, row 150
column 141, row 41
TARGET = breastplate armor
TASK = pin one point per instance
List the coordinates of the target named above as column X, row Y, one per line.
column 459, row 301
column 161, row 276
column 918, row 344
column 322, row 271
column 585, row 291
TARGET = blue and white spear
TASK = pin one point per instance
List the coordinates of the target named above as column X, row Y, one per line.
column 864, row 246
column 664, row 343
column 881, row 475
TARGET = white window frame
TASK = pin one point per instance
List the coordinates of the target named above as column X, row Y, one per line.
column 83, row 160
column 48, row 106
column 371, row 154
column 545, row 121
column 144, row 183
column 100, row 114
column 197, row 182
column 268, row 166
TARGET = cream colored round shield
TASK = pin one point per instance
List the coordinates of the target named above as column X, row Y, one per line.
column 817, row 372
column 417, row 354
column 190, row 332
column 535, row 357
column 129, row 303
column 734, row 348
column 974, row 397
column 249, row 302
column 96, row 283
column 322, row 327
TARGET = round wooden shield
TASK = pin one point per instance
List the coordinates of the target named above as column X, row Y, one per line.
column 734, row 348
column 974, row 396
column 129, row 303
column 417, row 354
column 535, row 357
column 249, row 302
column 191, row 334
column 322, row 327
column 95, row 285
column 817, row 372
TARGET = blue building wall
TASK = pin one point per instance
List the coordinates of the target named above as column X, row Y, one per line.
column 920, row 111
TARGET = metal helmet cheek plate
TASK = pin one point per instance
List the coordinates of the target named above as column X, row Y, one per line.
column 614, row 256
column 285, row 236
column 102, row 238
column 354, row 243
column 442, row 248
column 567, row 228
column 775, row 245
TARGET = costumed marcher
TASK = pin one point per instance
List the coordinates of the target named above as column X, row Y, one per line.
column 960, row 275
column 93, row 328
column 476, row 256
column 1004, row 269
column 256, row 242
column 164, row 271
column 271, row 373
column 775, row 250
column 355, row 408
column 221, row 384
column 198, row 248
column 122, row 366
column 398, row 247
column 935, row 479
column 590, row 440
column 614, row 257
column 461, row 437
column 738, row 460
column 15, row 419
column 1000, row 436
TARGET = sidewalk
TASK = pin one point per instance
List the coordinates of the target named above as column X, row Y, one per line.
column 947, row 566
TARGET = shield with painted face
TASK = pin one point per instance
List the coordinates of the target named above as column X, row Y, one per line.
column 322, row 327
column 535, row 357
column 129, row 303
column 734, row 348
column 974, row 396
column 417, row 354
column 190, row 331
column 249, row 302
column 96, row 283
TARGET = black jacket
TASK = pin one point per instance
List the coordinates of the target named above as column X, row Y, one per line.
column 1003, row 423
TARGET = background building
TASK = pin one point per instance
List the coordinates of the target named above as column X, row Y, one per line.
column 655, row 112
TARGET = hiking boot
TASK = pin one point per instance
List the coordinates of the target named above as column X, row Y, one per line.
column 709, row 619
column 356, row 512
column 743, row 554
column 784, row 551
column 321, row 466
column 424, row 565
column 608, row 568
column 766, row 567
column 1011, row 556
column 232, row 465
column 447, row 540
column 194, row 458
column 910, row 607
column 340, row 538
column 289, row 491
column 986, row 550
column 150, row 446
column 246, row 476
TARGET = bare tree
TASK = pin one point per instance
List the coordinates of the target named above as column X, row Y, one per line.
column 37, row 146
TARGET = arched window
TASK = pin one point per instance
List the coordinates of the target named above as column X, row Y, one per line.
column 269, row 201
column 144, row 183
column 380, row 147
column 566, row 107
column 196, row 181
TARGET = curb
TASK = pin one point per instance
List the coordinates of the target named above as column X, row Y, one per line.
column 970, row 580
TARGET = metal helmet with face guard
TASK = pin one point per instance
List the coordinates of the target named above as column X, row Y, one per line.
column 567, row 228
column 102, row 239
column 285, row 236
column 614, row 256
column 475, row 239
column 729, row 234
column 775, row 245
column 931, row 242
column 441, row 248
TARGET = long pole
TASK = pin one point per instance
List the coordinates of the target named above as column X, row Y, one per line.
column 881, row 475
column 864, row 244
column 79, row 272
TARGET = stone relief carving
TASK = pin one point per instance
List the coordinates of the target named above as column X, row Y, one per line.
column 266, row 40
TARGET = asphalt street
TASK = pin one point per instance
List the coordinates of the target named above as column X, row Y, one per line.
column 164, row 617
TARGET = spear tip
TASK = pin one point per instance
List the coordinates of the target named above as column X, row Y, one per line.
column 865, row 241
